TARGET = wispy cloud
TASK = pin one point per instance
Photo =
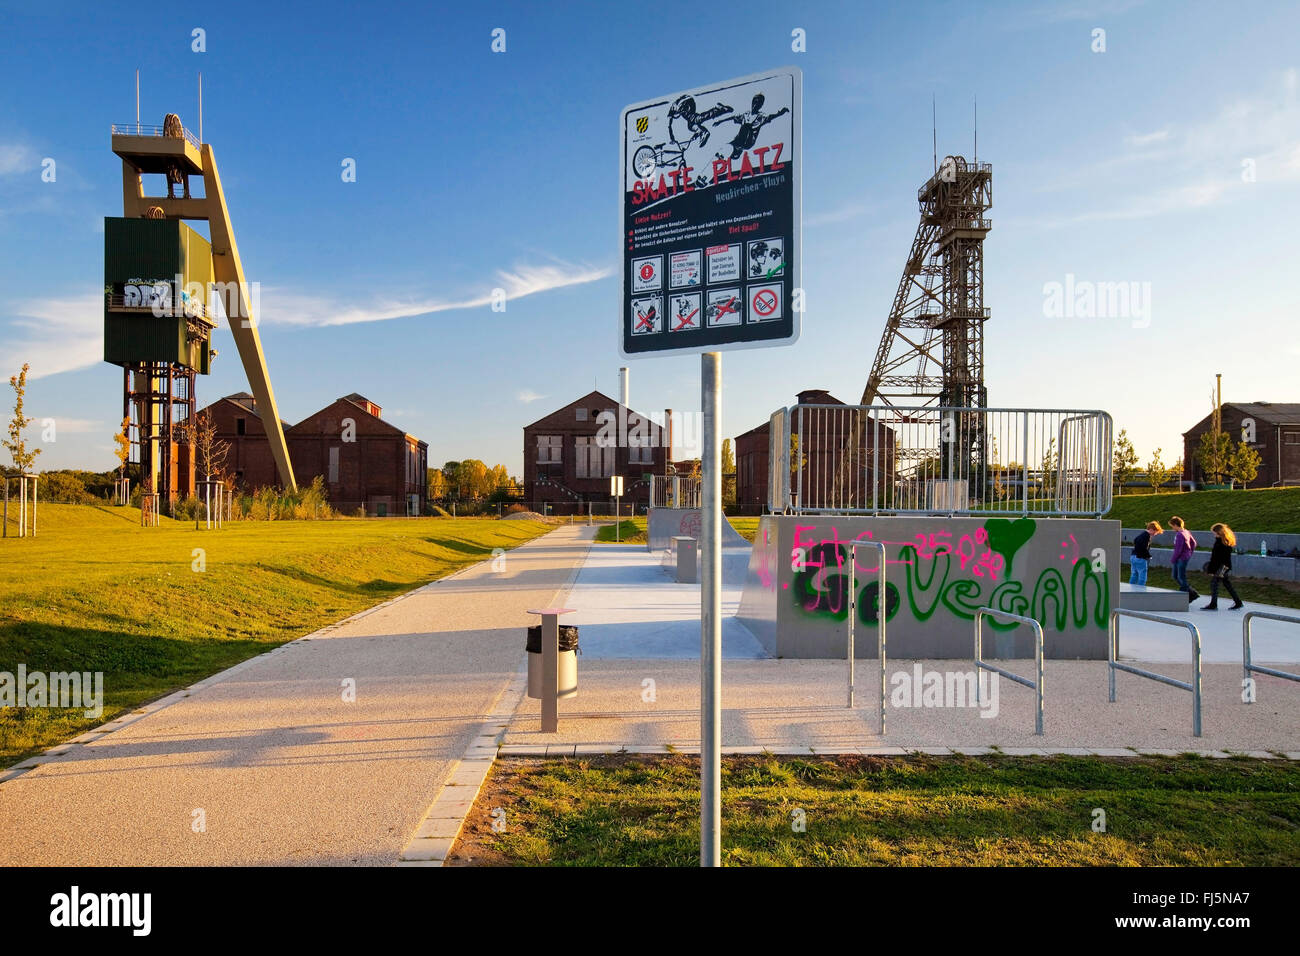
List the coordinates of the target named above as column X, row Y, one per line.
column 16, row 158
column 527, row 395
column 287, row 307
column 1250, row 142
column 57, row 334
column 851, row 210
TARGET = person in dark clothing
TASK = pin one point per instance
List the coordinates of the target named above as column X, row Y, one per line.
column 1140, row 561
column 1221, row 566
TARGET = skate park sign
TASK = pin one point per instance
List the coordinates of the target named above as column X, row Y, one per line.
column 709, row 199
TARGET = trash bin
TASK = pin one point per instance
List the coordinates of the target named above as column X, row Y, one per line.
column 568, row 662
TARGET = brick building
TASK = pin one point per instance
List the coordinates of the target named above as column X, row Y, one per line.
column 821, row 450
column 363, row 460
column 1276, row 427
column 566, row 466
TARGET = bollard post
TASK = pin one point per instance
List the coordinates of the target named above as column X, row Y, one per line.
column 551, row 666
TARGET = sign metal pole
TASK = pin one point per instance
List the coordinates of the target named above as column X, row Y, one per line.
column 711, row 614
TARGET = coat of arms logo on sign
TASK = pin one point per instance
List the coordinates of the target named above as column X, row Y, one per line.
column 710, row 195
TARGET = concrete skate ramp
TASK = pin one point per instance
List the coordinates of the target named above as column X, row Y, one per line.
column 1064, row 572
column 664, row 524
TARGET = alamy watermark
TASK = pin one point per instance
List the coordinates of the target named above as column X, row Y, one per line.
column 77, row 689
column 1084, row 299
column 922, row 688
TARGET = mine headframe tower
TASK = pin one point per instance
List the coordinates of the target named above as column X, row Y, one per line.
column 932, row 350
column 165, row 286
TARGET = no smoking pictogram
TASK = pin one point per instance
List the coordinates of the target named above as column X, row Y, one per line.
column 765, row 302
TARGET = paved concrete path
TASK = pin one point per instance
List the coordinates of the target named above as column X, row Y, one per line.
column 284, row 770
column 629, row 605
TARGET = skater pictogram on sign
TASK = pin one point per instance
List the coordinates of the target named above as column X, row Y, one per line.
column 766, row 302
column 767, row 258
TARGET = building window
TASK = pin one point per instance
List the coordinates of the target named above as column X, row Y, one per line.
column 591, row 463
column 641, row 455
column 240, row 426
column 334, row 465
column 548, row 449
column 1291, row 438
column 580, row 414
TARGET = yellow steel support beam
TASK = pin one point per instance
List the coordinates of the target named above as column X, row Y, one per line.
column 228, row 270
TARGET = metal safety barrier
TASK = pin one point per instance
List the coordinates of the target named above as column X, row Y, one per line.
column 868, row 459
column 1113, row 665
column 980, row 664
column 675, row 491
column 882, row 614
column 1247, row 666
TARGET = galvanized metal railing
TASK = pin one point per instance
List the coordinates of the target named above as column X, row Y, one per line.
column 1194, row 685
column 674, row 491
column 1247, row 664
column 143, row 129
column 869, row 459
column 1036, row 685
column 882, row 614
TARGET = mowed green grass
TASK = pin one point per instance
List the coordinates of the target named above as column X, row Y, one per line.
column 633, row 531
column 96, row 592
column 1275, row 510
column 893, row 811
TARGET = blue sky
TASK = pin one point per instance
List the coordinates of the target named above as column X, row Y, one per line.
column 478, row 170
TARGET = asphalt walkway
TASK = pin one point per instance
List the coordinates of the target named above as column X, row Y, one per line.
column 283, row 770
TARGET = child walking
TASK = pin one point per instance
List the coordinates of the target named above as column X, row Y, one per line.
column 1221, row 566
column 1140, row 561
column 1184, row 548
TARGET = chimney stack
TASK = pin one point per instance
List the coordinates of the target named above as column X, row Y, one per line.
column 622, row 386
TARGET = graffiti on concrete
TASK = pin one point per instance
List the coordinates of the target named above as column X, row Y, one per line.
column 943, row 570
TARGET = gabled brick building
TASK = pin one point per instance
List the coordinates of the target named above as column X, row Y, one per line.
column 566, row 465
column 821, row 450
column 1276, row 428
column 364, row 461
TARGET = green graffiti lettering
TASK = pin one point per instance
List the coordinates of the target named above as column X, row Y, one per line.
column 907, row 554
column 1050, row 587
column 962, row 598
column 1084, row 575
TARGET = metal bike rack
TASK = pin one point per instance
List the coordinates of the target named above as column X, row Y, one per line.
column 1246, row 666
column 1113, row 665
column 980, row 664
column 882, row 613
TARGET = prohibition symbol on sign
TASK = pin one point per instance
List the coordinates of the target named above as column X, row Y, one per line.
column 766, row 302
column 647, row 314
column 647, row 274
column 686, row 312
column 726, row 307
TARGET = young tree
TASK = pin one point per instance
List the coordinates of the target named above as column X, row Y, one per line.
column 211, row 451
column 1125, row 465
column 1047, row 469
column 1244, row 464
column 728, row 474
column 474, row 478
column 437, row 483
column 1213, row 454
column 1157, row 471
column 23, row 458
column 122, row 447
column 451, row 471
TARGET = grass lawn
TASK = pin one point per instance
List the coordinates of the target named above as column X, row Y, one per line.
column 630, row 531
column 633, row 530
column 96, row 592
column 1275, row 510
column 892, row 811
